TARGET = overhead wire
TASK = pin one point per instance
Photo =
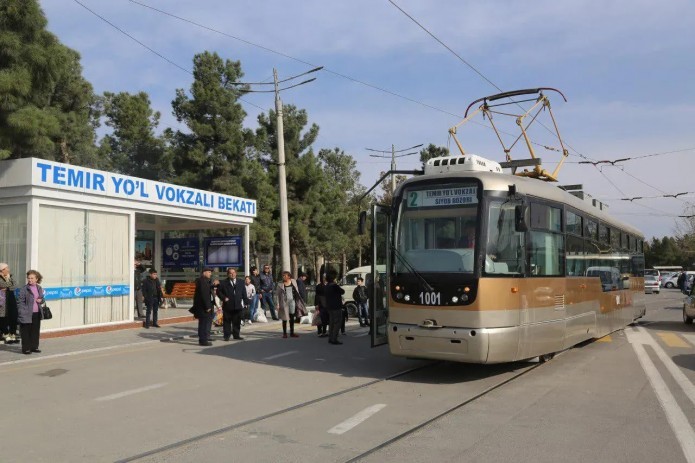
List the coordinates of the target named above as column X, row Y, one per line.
column 152, row 50
column 587, row 159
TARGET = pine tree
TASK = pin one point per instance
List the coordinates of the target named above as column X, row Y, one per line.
column 46, row 106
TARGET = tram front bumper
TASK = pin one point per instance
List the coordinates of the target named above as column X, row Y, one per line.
column 470, row 345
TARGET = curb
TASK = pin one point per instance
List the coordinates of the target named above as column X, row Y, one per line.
column 119, row 327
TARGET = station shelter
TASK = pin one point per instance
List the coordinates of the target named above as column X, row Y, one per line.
column 82, row 228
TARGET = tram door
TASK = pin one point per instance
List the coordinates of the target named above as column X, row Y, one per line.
column 379, row 284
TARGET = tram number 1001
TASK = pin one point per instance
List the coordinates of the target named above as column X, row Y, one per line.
column 432, row 298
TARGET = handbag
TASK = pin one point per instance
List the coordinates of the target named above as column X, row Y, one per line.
column 46, row 312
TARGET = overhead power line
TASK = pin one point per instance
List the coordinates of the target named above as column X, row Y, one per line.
column 152, row 50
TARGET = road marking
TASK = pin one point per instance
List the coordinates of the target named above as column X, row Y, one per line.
column 130, row 392
column 690, row 338
column 77, row 352
column 350, row 423
column 277, row 356
column 673, row 340
column 606, row 338
column 674, row 414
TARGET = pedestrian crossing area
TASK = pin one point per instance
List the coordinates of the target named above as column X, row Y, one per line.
column 669, row 339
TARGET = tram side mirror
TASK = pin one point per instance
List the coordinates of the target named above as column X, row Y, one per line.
column 520, row 219
column 362, row 223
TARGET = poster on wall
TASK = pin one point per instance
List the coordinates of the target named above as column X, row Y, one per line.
column 222, row 251
column 180, row 252
column 144, row 251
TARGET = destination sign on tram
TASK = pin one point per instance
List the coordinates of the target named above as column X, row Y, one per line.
column 443, row 197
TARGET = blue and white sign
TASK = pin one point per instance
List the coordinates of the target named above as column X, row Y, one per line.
column 72, row 292
column 443, row 197
column 74, row 178
column 180, row 252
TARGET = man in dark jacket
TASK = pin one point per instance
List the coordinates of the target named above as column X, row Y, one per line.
column 267, row 288
column 203, row 305
column 680, row 282
column 232, row 293
column 152, row 293
column 359, row 295
column 334, row 303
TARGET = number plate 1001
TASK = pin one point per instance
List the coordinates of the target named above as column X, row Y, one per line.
column 430, row 298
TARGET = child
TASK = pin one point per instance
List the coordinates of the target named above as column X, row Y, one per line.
column 251, row 295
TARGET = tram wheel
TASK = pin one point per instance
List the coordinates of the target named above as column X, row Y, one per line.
column 546, row 357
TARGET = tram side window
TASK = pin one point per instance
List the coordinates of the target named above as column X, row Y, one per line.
column 575, row 260
column 547, row 247
column 574, row 223
column 505, row 247
column 591, row 231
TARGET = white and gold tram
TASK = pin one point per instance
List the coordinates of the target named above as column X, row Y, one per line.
column 488, row 267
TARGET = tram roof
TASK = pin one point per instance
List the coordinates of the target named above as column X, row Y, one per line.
column 530, row 187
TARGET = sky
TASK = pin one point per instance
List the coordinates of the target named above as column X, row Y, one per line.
column 625, row 66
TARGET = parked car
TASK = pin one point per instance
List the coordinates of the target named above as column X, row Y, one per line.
column 689, row 310
column 651, row 284
column 653, row 272
column 670, row 281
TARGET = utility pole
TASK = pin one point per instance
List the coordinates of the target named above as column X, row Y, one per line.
column 393, row 160
column 282, row 180
column 284, row 218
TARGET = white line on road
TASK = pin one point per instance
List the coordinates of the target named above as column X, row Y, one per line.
column 277, row 356
column 676, row 372
column 77, row 352
column 674, row 414
column 350, row 423
column 360, row 334
column 130, row 392
column 690, row 338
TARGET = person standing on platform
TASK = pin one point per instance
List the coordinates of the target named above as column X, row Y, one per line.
column 29, row 302
column 232, row 293
column 256, row 282
column 288, row 301
column 152, row 293
column 267, row 288
column 203, row 306
column 137, row 286
column 252, row 297
column 359, row 295
column 334, row 302
column 8, row 306
column 321, row 307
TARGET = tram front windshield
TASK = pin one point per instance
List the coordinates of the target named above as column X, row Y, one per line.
column 437, row 230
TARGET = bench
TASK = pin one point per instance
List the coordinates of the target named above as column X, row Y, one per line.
column 180, row 290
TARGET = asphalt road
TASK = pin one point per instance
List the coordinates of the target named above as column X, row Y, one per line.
column 127, row 396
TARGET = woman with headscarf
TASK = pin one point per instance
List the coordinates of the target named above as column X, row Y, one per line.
column 29, row 304
column 8, row 306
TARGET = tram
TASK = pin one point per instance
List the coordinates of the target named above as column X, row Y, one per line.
column 485, row 266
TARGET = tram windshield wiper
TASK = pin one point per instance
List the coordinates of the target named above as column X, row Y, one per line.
column 408, row 265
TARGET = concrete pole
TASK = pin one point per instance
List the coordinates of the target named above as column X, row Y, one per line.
column 393, row 167
column 284, row 221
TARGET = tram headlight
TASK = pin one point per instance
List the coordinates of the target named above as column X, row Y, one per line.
column 464, row 298
column 406, row 298
column 455, row 299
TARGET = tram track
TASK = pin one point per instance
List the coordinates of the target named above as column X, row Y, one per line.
column 441, row 415
column 241, row 424
column 185, row 444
